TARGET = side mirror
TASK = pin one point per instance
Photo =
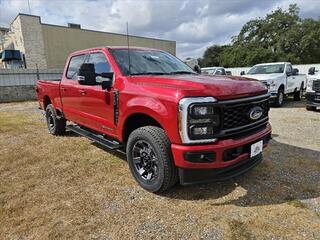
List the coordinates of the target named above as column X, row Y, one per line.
column 197, row 69
column 295, row 71
column 105, row 79
column 312, row 71
column 242, row 73
column 86, row 74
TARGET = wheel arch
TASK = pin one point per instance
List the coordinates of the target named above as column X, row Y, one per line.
column 46, row 101
column 281, row 86
column 137, row 120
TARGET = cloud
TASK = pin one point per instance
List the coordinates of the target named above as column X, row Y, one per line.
column 195, row 25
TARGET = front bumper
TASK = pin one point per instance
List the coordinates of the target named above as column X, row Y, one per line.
column 313, row 99
column 273, row 95
column 195, row 176
column 218, row 167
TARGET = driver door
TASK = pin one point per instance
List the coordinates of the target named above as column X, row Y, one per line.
column 97, row 104
column 290, row 79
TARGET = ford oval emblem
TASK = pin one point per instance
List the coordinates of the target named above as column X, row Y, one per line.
column 255, row 113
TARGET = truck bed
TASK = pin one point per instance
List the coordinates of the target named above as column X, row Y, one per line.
column 49, row 88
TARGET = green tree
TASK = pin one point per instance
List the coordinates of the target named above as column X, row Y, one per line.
column 211, row 56
column 280, row 36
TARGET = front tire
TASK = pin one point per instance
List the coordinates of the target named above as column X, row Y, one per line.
column 56, row 126
column 150, row 159
column 280, row 98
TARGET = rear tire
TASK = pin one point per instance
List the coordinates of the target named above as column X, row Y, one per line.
column 298, row 94
column 150, row 159
column 280, row 98
column 56, row 126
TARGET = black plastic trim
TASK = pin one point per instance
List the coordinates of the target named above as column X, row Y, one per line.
column 116, row 106
column 197, row 176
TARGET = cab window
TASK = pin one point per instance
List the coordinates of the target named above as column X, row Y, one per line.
column 289, row 69
column 74, row 66
column 101, row 64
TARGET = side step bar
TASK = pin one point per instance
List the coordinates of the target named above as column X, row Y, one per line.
column 94, row 137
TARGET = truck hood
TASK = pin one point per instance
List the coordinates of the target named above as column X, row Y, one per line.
column 264, row 77
column 220, row 87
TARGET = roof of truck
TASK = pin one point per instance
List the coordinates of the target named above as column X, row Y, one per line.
column 272, row 63
column 115, row 47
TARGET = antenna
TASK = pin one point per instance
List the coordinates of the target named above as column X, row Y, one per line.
column 129, row 60
column 29, row 7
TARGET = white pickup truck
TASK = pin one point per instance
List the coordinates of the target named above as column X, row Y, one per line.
column 313, row 89
column 280, row 78
column 215, row 71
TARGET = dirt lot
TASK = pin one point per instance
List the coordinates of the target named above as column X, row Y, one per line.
column 69, row 188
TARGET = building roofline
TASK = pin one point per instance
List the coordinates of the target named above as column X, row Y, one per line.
column 90, row 30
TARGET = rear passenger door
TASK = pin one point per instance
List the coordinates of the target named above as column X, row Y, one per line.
column 69, row 89
column 96, row 104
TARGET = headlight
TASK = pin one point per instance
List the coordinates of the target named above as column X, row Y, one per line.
column 273, row 83
column 202, row 111
column 199, row 119
column 309, row 85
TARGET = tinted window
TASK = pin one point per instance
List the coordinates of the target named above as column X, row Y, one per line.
column 289, row 68
column 74, row 66
column 220, row 71
column 143, row 62
column 100, row 62
column 266, row 69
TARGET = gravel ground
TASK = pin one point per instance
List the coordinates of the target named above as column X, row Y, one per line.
column 70, row 188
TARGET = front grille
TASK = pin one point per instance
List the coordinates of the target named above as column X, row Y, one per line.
column 316, row 85
column 235, row 118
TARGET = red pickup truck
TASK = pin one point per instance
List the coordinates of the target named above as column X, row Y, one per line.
column 173, row 123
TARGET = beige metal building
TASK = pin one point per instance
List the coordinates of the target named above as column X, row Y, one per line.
column 47, row 46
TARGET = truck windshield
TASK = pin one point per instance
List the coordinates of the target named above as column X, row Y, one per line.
column 149, row 62
column 266, row 69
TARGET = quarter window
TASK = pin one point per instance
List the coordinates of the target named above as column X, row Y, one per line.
column 74, row 66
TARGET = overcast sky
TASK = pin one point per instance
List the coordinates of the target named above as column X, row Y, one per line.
column 194, row 24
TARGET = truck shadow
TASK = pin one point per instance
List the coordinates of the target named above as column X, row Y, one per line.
column 290, row 103
column 287, row 173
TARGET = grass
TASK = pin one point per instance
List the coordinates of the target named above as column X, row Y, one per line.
column 298, row 204
column 68, row 188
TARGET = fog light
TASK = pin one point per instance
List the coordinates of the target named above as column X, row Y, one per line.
column 200, row 157
column 198, row 131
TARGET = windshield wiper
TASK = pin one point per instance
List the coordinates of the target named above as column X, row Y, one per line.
column 181, row 72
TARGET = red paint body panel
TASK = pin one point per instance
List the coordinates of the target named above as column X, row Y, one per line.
column 218, row 147
column 156, row 96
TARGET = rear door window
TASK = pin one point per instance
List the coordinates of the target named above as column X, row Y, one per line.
column 74, row 66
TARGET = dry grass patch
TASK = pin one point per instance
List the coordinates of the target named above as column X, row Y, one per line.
column 68, row 188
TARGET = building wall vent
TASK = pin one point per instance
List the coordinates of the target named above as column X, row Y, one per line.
column 74, row 25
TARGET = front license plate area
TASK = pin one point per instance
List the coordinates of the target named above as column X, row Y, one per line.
column 256, row 149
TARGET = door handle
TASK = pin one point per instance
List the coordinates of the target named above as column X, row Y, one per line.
column 63, row 89
column 82, row 92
